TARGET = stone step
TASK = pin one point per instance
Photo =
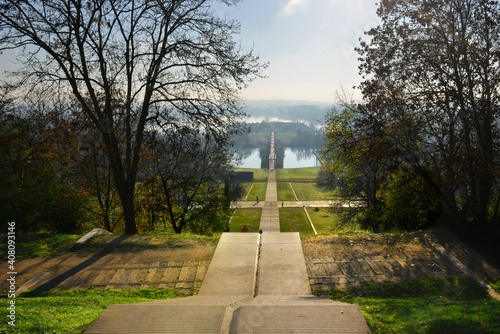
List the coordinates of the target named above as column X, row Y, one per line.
column 207, row 314
column 282, row 268
column 299, row 319
column 233, row 267
column 159, row 318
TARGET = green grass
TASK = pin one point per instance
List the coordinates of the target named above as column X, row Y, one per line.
column 258, row 174
column 306, row 173
column 34, row 245
column 30, row 246
column 258, row 190
column 72, row 311
column 294, row 220
column 326, row 220
column 424, row 306
column 248, row 217
column 495, row 283
column 430, row 315
column 285, row 193
column 311, row 192
column 246, row 188
column 161, row 240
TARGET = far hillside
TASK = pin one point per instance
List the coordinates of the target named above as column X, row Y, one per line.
column 280, row 127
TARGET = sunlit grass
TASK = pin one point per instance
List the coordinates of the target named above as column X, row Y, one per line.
column 308, row 191
column 248, row 217
column 327, row 220
column 258, row 190
column 310, row 173
column 424, row 306
column 246, row 188
column 138, row 242
column 72, row 311
column 28, row 246
column 285, row 193
column 294, row 220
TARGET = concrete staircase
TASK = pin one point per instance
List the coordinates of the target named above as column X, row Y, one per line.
column 256, row 283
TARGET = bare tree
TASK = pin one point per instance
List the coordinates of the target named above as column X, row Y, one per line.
column 192, row 168
column 140, row 62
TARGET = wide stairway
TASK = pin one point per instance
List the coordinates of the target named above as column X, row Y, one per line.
column 256, row 283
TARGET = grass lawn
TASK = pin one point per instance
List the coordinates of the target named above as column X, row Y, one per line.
column 325, row 220
column 285, row 193
column 248, row 217
column 311, row 192
column 35, row 245
column 258, row 189
column 424, row 306
column 310, row 173
column 72, row 311
column 294, row 220
column 258, row 174
column 246, row 188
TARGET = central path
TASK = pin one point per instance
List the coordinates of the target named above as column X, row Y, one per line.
column 270, row 221
column 256, row 283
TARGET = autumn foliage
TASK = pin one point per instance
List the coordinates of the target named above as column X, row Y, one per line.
column 423, row 146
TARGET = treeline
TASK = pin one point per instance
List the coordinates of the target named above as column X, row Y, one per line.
column 294, row 111
column 56, row 175
column 297, row 135
column 423, row 146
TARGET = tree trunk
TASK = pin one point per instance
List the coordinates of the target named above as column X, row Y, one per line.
column 107, row 223
column 127, row 201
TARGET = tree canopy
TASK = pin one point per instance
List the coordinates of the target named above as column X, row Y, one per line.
column 431, row 108
column 132, row 65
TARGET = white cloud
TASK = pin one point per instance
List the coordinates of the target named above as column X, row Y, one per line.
column 292, row 5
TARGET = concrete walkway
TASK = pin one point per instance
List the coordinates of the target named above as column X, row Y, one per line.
column 256, row 283
column 297, row 204
column 270, row 222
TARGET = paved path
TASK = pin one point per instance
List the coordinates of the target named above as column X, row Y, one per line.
column 256, row 283
column 270, row 222
column 295, row 204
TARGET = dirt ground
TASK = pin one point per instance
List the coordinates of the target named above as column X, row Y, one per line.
column 340, row 262
column 124, row 262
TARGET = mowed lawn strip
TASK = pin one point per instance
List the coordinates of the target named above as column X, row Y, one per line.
column 246, row 189
column 309, row 173
column 294, row 220
column 258, row 190
column 310, row 191
column 248, row 217
column 285, row 193
column 327, row 220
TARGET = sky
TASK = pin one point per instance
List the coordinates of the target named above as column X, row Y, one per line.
column 309, row 45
